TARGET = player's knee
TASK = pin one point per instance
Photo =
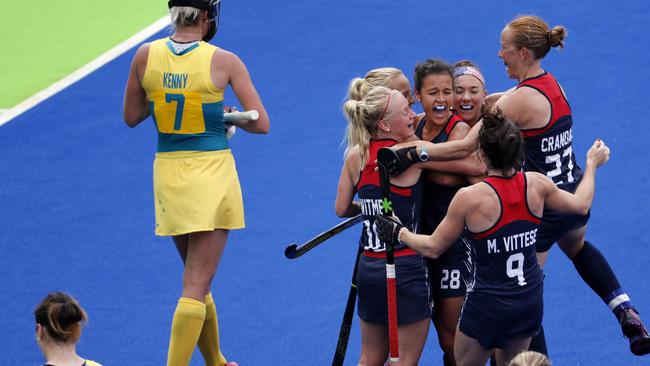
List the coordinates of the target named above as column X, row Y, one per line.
column 572, row 248
column 193, row 280
column 447, row 344
column 195, row 288
column 582, row 247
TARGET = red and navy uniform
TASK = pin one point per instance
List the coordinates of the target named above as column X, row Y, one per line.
column 443, row 136
column 504, row 299
column 413, row 295
column 406, row 201
column 504, row 256
column 448, row 272
column 549, row 150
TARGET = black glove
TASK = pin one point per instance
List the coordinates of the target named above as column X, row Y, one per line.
column 397, row 161
column 388, row 228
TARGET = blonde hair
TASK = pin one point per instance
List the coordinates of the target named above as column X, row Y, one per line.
column 61, row 316
column 362, row 116
column 530, row 358
column 533, row 33
column 375, row 77
column 184, row 16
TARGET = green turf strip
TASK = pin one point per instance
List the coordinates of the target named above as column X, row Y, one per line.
column 46, row 40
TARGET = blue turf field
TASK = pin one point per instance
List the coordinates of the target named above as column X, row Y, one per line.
column 77, row 212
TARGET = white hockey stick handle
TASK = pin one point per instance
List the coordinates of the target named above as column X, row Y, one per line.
column 251, row 115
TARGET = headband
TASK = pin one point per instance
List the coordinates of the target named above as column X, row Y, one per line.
column 198, row 4
column 386, row 107
column 469, row 70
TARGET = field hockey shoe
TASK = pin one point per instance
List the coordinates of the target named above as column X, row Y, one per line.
column 635, row 331
column 232, row 363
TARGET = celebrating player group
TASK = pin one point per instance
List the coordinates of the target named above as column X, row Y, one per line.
column 459, row 205
column 481, row 187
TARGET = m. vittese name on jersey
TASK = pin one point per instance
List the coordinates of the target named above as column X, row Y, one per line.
column 504, row 258
column 406, row 201
column 184, row 102
column 514, row 242
column 549, row 149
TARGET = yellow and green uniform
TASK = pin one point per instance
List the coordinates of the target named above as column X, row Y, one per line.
column 196, row 186
column 184, row 102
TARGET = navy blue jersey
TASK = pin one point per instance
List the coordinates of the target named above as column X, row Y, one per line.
column 443, row 136
column 549, row 149
column 406, row 201
column 436, row 198
column 503, row 257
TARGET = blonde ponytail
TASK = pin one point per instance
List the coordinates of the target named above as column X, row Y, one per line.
column 362, row 116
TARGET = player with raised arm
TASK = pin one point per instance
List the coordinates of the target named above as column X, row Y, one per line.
column 504, row 305
column 539, row 107
column 180, row 81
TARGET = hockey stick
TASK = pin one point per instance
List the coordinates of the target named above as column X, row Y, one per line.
column 239, row 117
column 383, row 156
column 346, row 324
column 251, row 115
column 294, row 251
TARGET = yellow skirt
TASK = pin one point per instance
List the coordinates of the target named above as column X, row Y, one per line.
column 196, row 191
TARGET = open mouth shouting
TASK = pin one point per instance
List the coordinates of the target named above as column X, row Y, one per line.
column 439, row 109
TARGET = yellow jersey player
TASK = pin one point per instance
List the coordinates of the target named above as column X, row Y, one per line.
column 59, row 319
column 180, row 81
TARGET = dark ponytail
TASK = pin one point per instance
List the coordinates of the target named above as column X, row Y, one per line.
column 500, row 141
column 61, row 316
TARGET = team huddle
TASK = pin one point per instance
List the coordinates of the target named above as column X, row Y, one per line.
column 481, row 187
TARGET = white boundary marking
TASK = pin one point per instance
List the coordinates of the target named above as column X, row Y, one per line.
column 7, row 115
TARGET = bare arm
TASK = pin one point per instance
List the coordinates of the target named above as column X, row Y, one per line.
column 446, row 151
column 468, row 166
column 491, row 99
column 579, row 202
column 136, row 105
column 344, row 204
column 243, row 87
column 446, row 234
column 526, row 107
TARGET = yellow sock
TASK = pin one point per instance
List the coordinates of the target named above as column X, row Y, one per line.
column 186, row 327
column 209, row 339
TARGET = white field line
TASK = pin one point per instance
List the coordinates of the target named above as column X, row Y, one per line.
column 7, row 115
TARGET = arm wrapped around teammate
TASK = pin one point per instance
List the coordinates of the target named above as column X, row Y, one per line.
column 402, row 159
